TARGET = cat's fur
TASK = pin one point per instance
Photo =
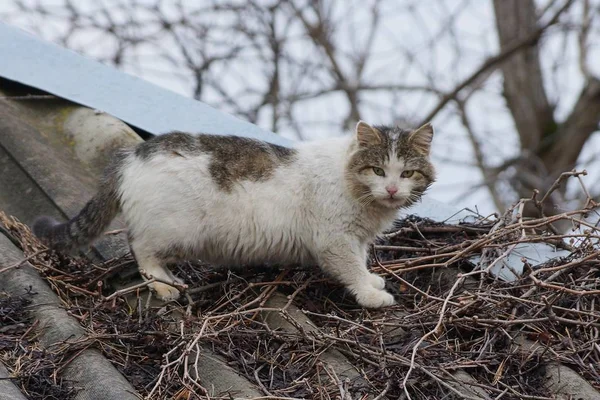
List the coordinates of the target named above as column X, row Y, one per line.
column 231, row 200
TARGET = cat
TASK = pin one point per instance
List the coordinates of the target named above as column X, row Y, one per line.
column 235, row 200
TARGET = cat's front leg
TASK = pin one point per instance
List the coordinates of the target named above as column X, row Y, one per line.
column 347, row 263
column 377, row 281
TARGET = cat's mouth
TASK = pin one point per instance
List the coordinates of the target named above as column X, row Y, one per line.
column 393, row 202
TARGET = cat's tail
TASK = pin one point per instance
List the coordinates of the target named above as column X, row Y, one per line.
column 90, row 223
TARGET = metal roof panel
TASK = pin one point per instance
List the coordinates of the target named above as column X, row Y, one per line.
column 46, row 66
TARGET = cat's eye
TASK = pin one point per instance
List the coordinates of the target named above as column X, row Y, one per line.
column 407, row 174
column 378, row 171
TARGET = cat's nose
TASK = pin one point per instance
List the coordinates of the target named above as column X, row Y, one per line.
column 392, row 190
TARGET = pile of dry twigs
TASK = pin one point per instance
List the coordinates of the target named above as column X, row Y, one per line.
column 456, row 332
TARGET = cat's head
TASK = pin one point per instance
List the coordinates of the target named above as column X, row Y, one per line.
column 389, row 166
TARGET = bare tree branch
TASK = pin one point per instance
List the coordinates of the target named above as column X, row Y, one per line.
column 564, row 147
column 479, row 157
column 494, row 61
column 320, row 34
column 583, row 40
column 516, row 21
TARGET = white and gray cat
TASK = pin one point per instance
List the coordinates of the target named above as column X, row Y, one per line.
column 234, row 200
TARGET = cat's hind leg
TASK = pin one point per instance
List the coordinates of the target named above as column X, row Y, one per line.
column 152, row 265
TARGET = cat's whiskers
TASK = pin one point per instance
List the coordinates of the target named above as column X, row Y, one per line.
column 366, row 199
column 412, row 198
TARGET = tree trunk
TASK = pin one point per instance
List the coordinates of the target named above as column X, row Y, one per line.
column 548, row 147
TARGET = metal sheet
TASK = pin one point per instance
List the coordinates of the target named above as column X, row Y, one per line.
column 64, row 73
column 510, row 268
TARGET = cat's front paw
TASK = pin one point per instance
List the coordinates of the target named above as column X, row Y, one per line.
column 164, row 292
column 376, row 281
column 368, row 296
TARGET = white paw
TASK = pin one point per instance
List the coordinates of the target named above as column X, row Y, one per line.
column 177, row 279
column 368, row 296
column 376, row 281
column 164, row 292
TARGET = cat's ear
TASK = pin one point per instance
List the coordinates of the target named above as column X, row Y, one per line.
column 366, row 135
column 421, row 139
